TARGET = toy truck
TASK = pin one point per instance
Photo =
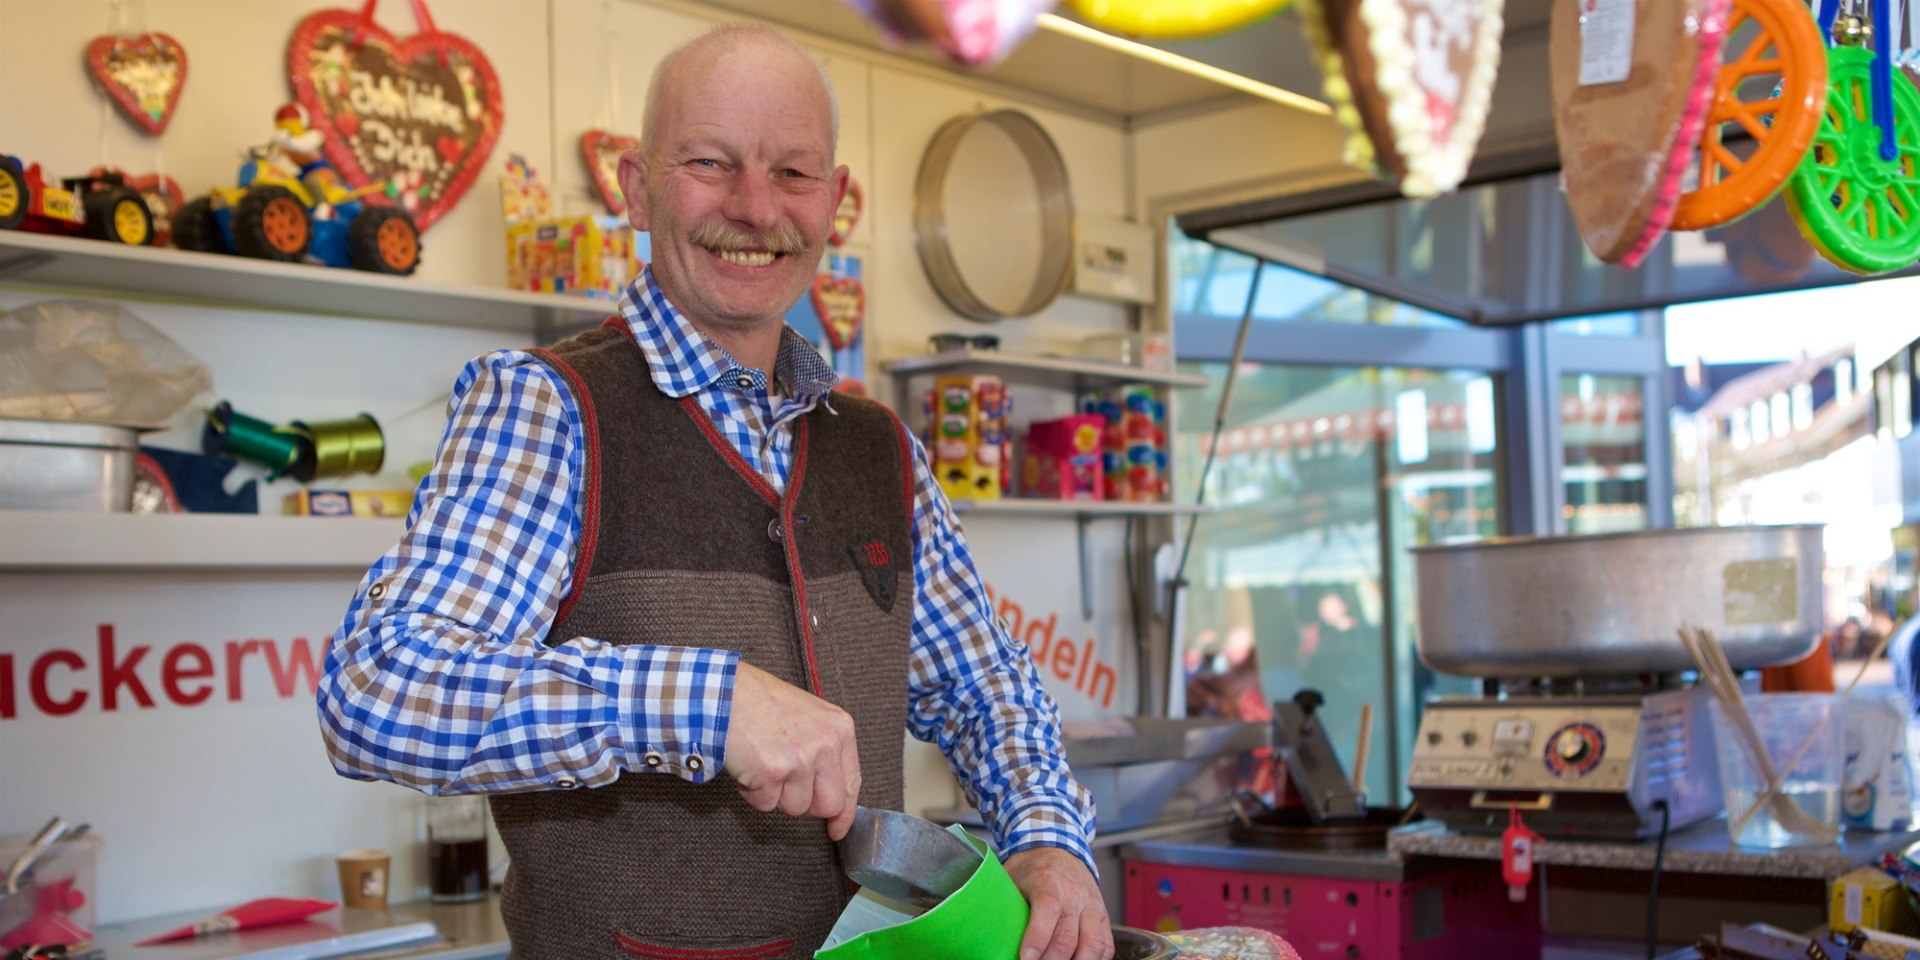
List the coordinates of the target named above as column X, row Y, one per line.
column 102, row 207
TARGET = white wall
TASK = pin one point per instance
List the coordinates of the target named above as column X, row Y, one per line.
column 238, row 791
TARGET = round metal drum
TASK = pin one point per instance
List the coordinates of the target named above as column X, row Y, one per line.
column 1611, row 604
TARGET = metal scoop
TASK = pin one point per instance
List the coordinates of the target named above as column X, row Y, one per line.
column 905, row 858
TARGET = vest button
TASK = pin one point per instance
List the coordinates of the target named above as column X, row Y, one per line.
column 653, row 759
column 774, row 532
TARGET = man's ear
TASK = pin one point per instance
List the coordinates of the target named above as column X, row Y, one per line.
column 633, row 183
column 840, row 178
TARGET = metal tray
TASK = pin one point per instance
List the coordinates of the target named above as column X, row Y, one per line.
column 1610, row 604
column 1161, row 738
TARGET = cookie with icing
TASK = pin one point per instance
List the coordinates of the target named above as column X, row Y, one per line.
column 1632, row 84
column 1411, row 81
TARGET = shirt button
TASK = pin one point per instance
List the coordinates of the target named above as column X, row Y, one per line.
column 695, row 764
column 653, row 759
column 377, row 591
column 745, row 382
column 566, row 783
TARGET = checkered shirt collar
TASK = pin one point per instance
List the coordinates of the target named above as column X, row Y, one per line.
column 684, row 362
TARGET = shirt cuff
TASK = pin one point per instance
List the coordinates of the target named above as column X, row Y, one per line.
column 1050, row 823
column 675, row 704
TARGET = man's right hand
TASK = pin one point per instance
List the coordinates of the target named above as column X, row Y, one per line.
column 791, row 751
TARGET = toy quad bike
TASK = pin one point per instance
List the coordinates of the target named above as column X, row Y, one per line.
column 102, row 207
column 275, row 215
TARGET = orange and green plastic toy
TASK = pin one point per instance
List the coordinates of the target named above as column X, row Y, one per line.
column 1772, row 87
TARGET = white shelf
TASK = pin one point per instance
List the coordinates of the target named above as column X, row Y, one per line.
column 1084, row 509
column 36, row 259
column 1067, row 372
column 51, row 541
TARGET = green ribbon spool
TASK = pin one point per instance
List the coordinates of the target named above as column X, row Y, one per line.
column 983, row 920
column 237, row 435
column 1858, row 210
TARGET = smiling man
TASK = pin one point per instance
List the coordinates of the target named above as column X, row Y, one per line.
column 674, row 608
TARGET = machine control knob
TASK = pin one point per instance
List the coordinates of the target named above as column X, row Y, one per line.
column 1434, row 737
column 1469, row 738
column 1575, row 750
column 1572, row 747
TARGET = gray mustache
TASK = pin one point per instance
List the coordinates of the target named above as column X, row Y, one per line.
column 784, row 238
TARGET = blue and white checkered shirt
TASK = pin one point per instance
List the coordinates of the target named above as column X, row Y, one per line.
column 443, row 676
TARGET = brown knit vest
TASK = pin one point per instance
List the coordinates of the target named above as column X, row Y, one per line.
column 682, row 544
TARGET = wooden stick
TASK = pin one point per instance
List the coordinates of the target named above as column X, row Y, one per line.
column 1360, row 752
column 1773, row 785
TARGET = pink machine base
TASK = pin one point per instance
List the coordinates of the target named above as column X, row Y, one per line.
column 1462, row 912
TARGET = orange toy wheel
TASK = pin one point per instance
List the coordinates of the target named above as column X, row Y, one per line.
column 1772, row 88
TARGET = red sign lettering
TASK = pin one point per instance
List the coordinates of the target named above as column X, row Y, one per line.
column 113, row 675
column 171, row 673
column 37, row 683
column 188, row 674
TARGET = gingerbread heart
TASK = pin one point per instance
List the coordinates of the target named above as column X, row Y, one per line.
column 1411, row 80
column 841, row 303
column 163, row 196
column 421, row 114
column 602, row 152
column 849, row 212
column 1632, row 82
column 143, row 75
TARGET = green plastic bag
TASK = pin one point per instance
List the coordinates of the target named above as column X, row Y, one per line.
column 983, row 920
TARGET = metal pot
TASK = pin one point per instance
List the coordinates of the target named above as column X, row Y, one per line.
column 1130, row 943
column 1610, row 604
column 66, row 465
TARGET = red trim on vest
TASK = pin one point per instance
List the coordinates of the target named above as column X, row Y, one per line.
column 613, row 322
column 739, row 463
column 793, row 555
column 906, row 468
column 590, row 493
column 658, row 952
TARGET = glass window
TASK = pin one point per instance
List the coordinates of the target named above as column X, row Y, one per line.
column 1212, row 281
column 1605, row 436
column 1599, row 325
column 1325, row 477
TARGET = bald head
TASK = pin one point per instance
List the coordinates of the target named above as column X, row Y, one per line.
column 698, row 58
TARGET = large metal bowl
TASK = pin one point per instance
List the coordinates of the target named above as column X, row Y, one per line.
column 1130, row 943
column 1610, row 604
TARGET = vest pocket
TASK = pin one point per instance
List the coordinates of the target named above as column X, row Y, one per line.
column 703, row 950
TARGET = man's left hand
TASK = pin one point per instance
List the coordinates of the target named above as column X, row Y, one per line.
column 1066, row 917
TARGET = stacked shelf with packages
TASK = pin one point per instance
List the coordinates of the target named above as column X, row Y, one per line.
column 33, row 541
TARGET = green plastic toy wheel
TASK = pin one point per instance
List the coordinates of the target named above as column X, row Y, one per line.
column 1858, row 210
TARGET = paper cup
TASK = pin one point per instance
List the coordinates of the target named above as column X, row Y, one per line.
column 364, row 878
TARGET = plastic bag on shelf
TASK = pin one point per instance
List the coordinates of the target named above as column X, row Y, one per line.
column 93, row 360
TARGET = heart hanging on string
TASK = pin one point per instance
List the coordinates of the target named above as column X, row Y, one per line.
column 421, row 114
column 602, row 152
column 162, row 194
column 849, row 212
column 143, row 75
column 841, row 303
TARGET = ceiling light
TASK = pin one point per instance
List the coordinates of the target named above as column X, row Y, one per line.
column 1187, row 65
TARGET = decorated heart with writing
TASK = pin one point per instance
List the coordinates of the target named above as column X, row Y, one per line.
column 849, row 212
column 841, row 303
column 163, row 196
column 143, row 75
column 602, row 152
column 421, row 114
